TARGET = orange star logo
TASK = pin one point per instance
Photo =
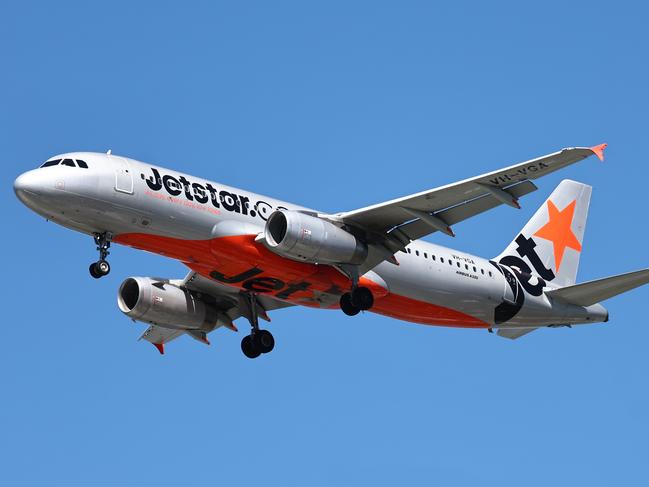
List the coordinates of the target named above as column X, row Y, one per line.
column 558, row 230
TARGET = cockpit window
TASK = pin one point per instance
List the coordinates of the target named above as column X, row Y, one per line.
column 66, row 162
column 51, row 163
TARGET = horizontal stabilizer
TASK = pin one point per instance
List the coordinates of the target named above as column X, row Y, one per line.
column 593, row 292
column 514, row 333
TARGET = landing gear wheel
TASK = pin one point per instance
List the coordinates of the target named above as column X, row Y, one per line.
column 99, row 269
column 259, row 341
column 347, row 306
column 362, row 298
column 103, row 267
column 264, row 341
column 249, row 347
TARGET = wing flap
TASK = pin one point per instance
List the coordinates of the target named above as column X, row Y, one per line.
column 514, row 333
column 592, row 292
column 158, row 336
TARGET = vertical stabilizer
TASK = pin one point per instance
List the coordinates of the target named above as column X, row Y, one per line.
column 551, row 242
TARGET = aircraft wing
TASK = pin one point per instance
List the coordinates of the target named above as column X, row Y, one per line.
column 229, row 299
column 229, row 303
column 411, row 217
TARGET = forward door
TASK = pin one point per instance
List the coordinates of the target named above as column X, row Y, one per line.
column 123, row 176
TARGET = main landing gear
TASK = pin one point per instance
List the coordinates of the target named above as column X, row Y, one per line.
column 101, row 268
column 359, row 299
column 259, row 341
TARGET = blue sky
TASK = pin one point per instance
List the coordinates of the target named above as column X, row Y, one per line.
column 333, row 105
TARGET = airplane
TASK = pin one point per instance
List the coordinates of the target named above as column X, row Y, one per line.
column 250, row 254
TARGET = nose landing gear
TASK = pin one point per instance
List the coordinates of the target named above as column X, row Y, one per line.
column 101, row 268
column 259, row 341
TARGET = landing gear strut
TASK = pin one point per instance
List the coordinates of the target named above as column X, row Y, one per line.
column 259, row 341
column 101, row 268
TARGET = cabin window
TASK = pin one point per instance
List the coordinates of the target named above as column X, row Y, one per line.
column 409, row 251
column 425, row 255
column 458, row 264
column 441, row 259
column 474, row 269
column 417, row 253
column 490, row 275
column 482, row 270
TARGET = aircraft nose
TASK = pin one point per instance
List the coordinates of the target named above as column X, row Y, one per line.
column 29, row 185
column 24, row 184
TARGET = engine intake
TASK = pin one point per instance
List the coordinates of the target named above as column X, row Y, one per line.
column 311, row 239
column 162, row 303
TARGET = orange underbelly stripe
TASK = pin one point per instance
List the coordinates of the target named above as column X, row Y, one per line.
column 241, row 262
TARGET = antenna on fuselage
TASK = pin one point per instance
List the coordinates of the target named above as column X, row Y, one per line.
column 109, row 152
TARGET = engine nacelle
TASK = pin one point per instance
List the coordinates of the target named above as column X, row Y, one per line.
column 159, row 302
column 311, row 239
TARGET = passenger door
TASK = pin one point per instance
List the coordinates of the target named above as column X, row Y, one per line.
column 123, row 175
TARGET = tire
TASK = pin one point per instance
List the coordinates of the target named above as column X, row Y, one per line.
column 102, row 267
column 362, row 298
column 249, row 348
column 264, row 341
column 93, row 270
column 346, row 305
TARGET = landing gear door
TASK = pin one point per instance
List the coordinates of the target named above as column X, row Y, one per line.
column 123, row 176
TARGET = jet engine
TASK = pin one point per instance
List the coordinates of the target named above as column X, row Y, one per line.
column 162, row 303
column 307, row 238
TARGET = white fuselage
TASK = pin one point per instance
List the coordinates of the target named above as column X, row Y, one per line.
column 179, row 215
